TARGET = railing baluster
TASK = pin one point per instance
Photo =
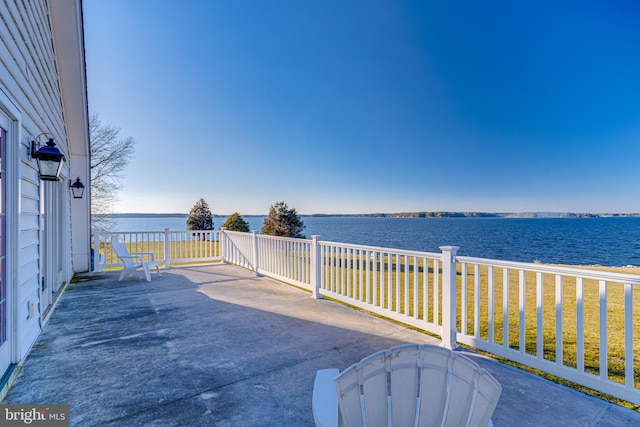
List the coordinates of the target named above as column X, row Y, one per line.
column 505, row 307
column 329, row 260
column 282, row 259
column 360, row 276
column 416, row 295
column 342, row 270
column 407, row 292
column 522, row 307
column 425, row 289
column 539, row 316
column 348, row 273
column 604, row 348
column 367, row 291
column 559, row 334
column 436, row 292
column 580, row 324
column 334, row 270
column 298, row 258
column 463, row 298
column 629, row 371
column 321, row 267
column 383, row 288
column 289, row 248
column 389, row 282
column 476, row 301
column 398, row 293
column 375, row 279
column 490, row 299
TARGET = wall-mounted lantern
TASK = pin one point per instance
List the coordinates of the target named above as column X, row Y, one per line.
column 50, row 159
column 77, row 188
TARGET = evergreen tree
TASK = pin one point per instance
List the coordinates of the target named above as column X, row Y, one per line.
column 236, row 223
column 200, row 217
column 283, row 221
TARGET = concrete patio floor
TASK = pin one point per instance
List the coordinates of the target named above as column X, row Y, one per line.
column 214, row 346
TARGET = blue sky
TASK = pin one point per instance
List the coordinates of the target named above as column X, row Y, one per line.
column 371, row 106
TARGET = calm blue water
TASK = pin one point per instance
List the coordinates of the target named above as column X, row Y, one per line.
column 577, row 241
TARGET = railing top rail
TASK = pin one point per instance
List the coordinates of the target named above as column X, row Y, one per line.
column 554, row 269
column 383, row 249
column 104, row 232
column 239, row 233
column 265, row 236
column 190, row 231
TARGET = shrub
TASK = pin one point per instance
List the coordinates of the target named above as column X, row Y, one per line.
column 236, row 223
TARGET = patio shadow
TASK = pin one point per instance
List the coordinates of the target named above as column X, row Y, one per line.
column 205, row 345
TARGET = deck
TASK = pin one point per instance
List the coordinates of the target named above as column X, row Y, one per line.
column 214, row 345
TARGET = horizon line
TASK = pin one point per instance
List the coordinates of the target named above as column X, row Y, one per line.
column 465, row 213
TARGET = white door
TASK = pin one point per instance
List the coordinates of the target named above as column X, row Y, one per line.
column 52, row 240
column 5, row 354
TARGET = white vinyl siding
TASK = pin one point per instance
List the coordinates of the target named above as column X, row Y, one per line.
column 29, row 78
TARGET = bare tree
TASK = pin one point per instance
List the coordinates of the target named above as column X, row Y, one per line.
column 110, row 154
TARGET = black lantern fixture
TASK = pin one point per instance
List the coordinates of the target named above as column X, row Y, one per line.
column 50, row 159
column 77, row 188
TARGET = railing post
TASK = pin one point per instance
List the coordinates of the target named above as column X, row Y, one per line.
column 316, row 267
column 223, row 245
column 254, row 244
column 97, row 265
column 449, row 280
column 167, row 248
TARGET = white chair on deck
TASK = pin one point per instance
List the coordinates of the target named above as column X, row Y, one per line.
column 407, row 385
column 133, row 260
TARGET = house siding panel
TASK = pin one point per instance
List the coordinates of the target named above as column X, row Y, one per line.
column 30, row 81
column 36, row 78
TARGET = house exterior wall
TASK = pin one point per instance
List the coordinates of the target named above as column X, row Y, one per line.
column 42, row 90
column 66, row 19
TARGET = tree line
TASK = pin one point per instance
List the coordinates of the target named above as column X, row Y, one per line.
column 281, row 220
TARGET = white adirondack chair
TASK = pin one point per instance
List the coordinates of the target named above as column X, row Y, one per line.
column 407, row 385
column 133, row 260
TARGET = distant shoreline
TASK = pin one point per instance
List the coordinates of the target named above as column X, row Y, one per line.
column 433, row 214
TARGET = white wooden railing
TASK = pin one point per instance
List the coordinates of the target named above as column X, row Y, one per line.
column 168, row 247
column 574, row 323
column 589, row 314
column 590, row 317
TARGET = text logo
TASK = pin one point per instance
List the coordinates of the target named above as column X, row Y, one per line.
column 34, row 415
